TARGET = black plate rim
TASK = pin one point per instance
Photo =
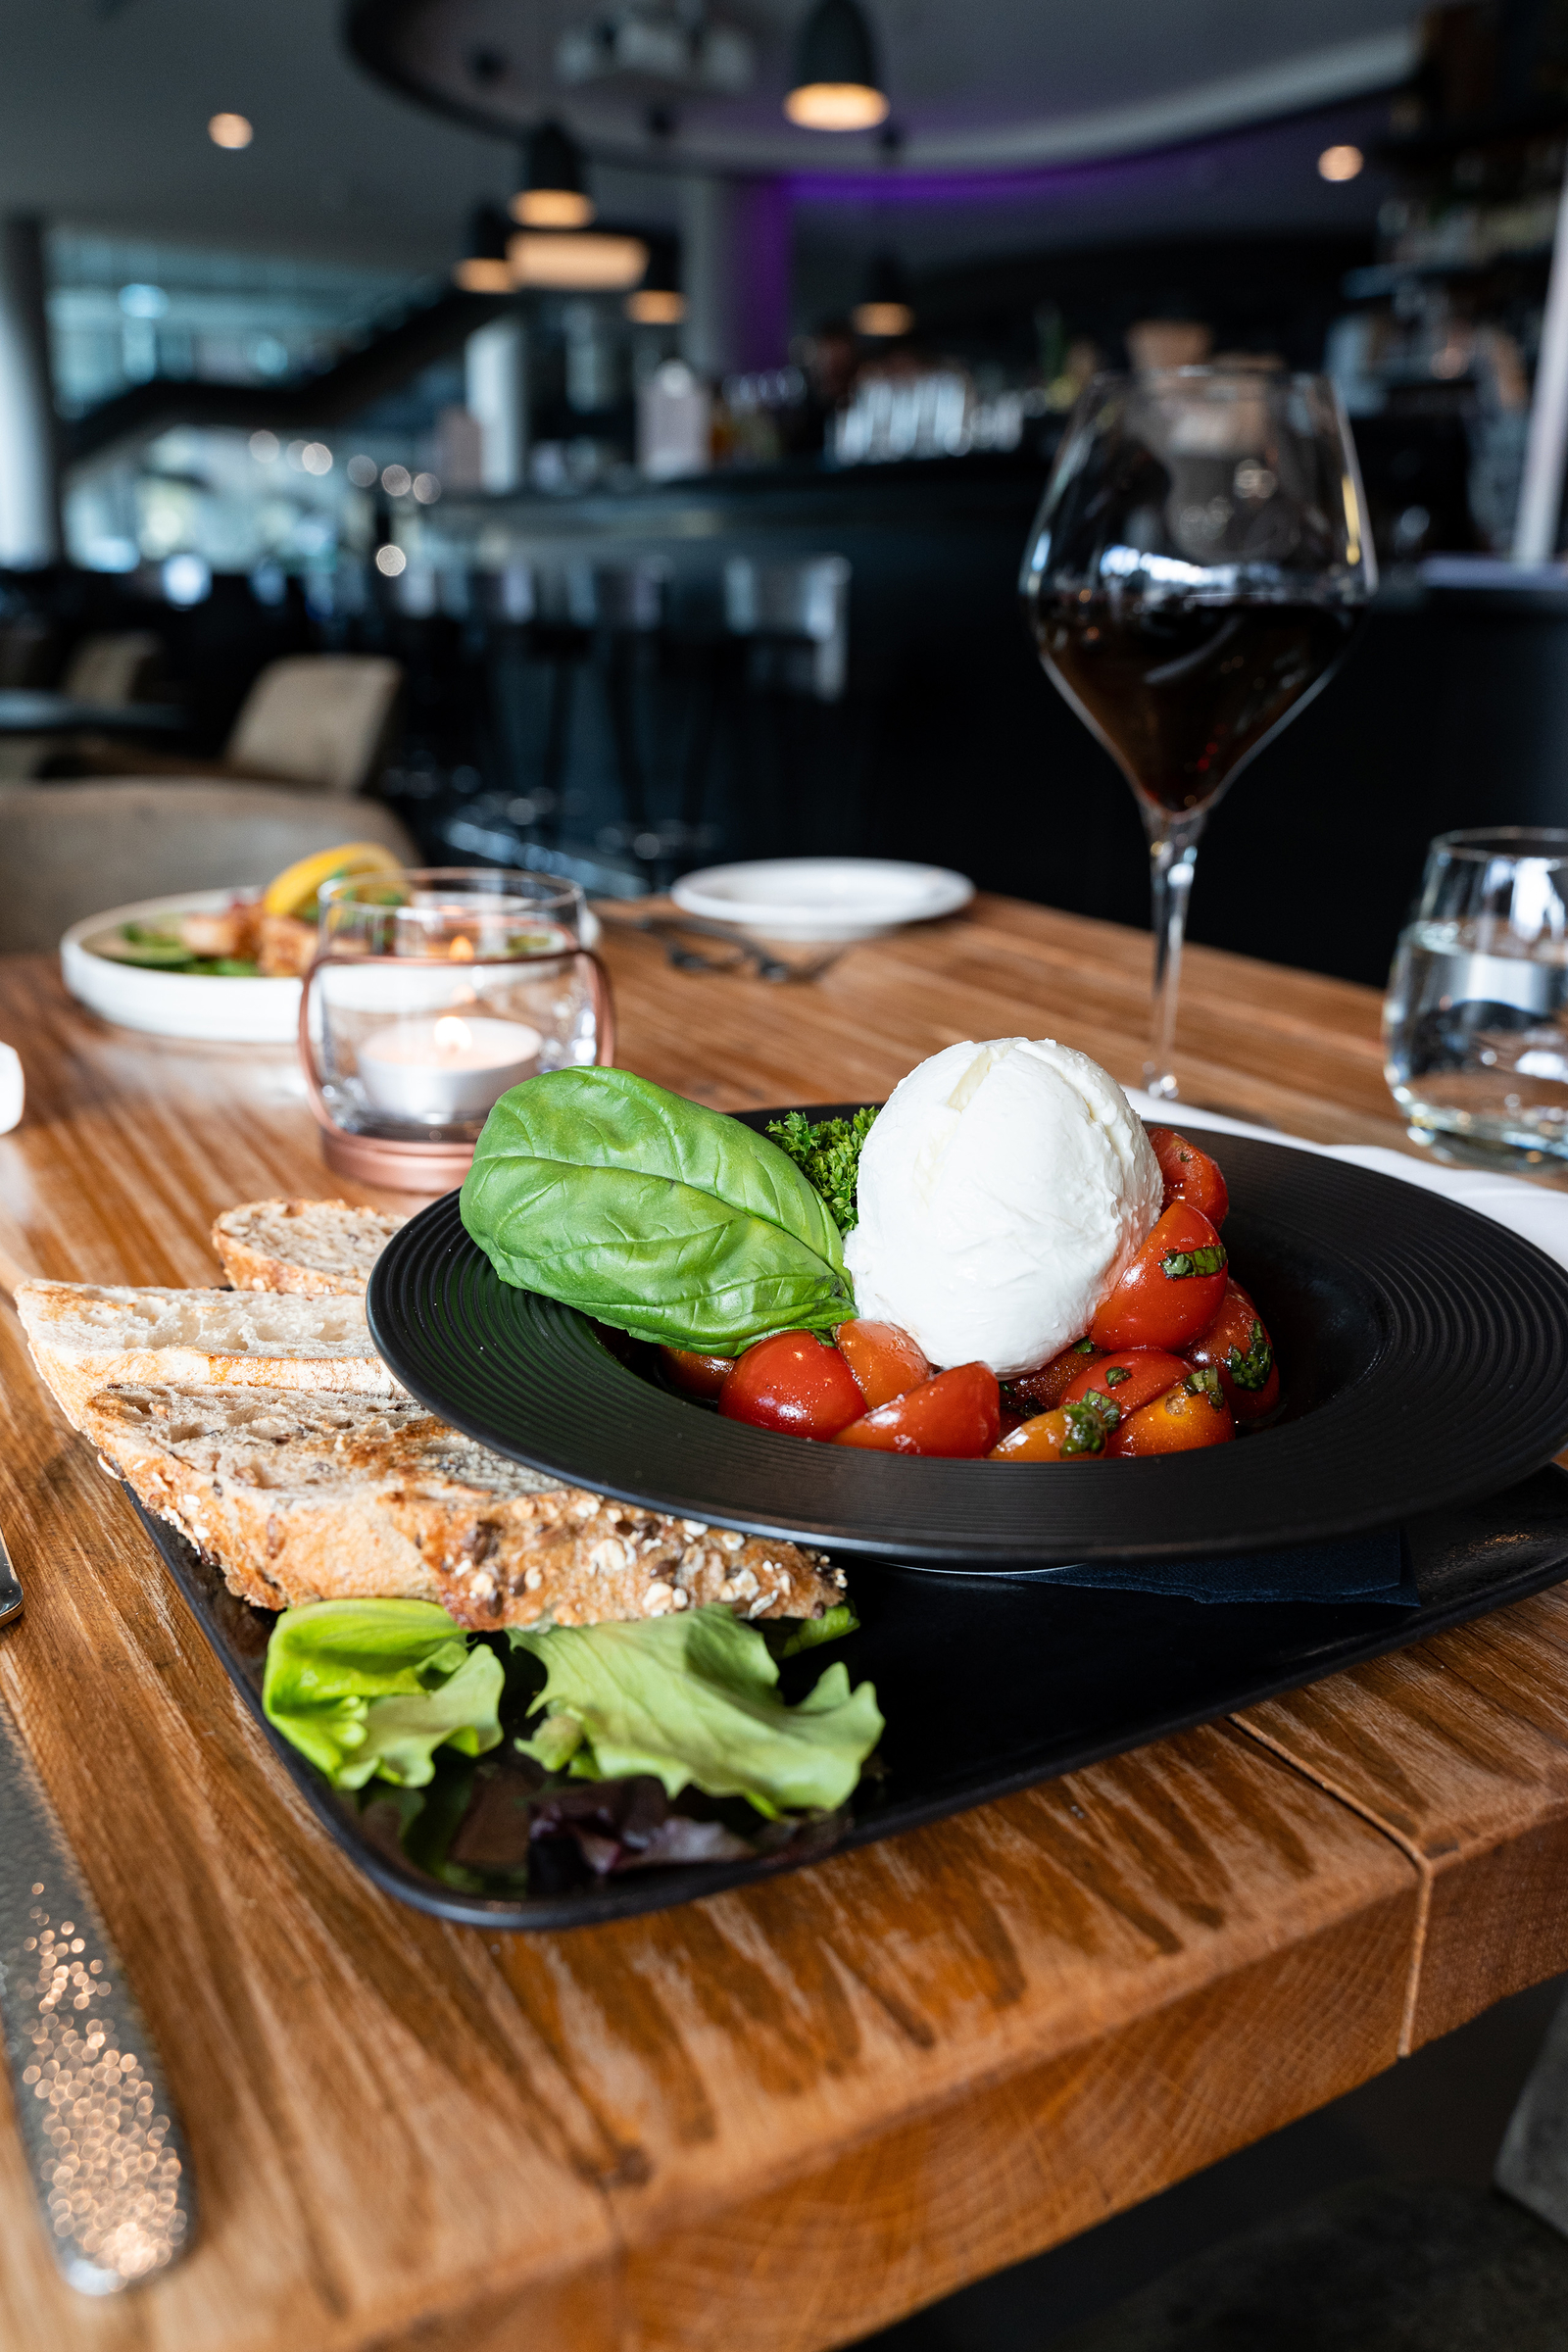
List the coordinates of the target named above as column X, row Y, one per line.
column 1176, row 1496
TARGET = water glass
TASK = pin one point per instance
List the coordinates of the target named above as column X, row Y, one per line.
column 1475, row 1023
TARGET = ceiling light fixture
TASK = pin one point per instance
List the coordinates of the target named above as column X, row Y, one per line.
column 551, row 194
column 594, row 263
column 884, row 310
column 836, row 85
column 484, row 267
column 659, row 300
column 1340, row 162
column 229, row 130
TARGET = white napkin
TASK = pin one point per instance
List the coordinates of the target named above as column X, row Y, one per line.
column 1530, row 1210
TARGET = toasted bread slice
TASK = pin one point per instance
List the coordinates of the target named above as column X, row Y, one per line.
column 303, row 1497
column 314, row 1248
column 85, row 1336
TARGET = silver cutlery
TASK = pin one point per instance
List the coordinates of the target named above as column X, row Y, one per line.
column 104, row 2150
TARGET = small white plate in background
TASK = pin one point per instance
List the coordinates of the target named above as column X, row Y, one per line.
column 822, row 898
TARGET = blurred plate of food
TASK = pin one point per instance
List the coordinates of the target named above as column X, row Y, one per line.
column 223, row 965
column 822, row 898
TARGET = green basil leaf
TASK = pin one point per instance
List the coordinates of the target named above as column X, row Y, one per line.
column 653, row 1215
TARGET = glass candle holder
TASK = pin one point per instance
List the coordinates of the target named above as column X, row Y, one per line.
column 434, row 992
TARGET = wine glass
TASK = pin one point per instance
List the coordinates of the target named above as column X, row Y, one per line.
column 1198, row 565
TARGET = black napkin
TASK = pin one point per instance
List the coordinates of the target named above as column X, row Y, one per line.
column 1356, row 1568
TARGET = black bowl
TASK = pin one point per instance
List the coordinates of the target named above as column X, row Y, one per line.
column 1423, row 1353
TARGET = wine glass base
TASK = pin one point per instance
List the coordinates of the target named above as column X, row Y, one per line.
column 1161, row 1084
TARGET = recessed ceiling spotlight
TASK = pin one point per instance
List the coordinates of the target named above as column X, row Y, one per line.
column 836, row 85
column 229, row 130
column 1340, row 162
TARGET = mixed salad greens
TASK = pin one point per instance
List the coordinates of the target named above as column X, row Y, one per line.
column 162, row 947
column 372, row 1689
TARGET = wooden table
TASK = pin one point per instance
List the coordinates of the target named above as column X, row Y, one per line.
column 778, row 2119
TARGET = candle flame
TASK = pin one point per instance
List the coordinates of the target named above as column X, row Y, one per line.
column 452, row 1036
column 461, row 949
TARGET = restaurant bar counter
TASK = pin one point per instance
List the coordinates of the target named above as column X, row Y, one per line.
column 814, row 662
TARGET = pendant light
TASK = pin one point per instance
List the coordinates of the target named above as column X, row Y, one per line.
column 484, row 267
column 659, row 300
column 883, row 309
column 575, row 261
column 836, row 85
column 551, row 194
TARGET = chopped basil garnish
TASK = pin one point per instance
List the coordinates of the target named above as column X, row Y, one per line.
column 1178, row 1265
column 1089, row 1423
column 1251, row 1370
column 1207, row 1383
column 1116, row 1375
column 1083, row 1347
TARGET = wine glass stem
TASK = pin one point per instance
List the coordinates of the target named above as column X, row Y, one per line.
column 1172, row 857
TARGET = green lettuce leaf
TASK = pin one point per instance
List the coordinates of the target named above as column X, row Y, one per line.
column 375, row 1686
column 651, row 1213
column 694, row 1699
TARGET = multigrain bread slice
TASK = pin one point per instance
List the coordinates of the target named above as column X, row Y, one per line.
column 85, row 1336
column 303, row 1497
column 314, row 1248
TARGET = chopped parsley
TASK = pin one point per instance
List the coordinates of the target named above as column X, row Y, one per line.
column 827, row 1154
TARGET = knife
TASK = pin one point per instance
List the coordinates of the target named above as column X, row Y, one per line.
column 104, row 2150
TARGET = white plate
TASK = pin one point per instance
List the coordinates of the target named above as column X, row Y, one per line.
column 224, row 1012
column 232, row 1011
column 823, row 897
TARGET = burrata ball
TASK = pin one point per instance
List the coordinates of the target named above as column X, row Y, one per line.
column 1003, row 1192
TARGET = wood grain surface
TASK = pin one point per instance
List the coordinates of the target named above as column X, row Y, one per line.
column 775, row 2120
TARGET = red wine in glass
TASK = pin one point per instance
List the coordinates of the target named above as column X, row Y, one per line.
column 1196, row 570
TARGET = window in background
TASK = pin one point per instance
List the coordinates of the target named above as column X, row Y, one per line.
column 123, row 311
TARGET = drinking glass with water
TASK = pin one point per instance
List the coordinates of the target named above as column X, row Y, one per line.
column 1475, row 1023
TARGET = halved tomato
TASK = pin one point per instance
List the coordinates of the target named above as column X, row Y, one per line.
column 693, row 1374
column 884, row 1361
column 1184, row 1418
column 795, row 1381
column 1190, row 1174
column 1129, row 1377
column 1239, row 1348
column 1043, row 1389
column 1172, row 1290
column 956, row 1415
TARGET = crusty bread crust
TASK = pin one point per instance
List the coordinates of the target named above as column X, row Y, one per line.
column 312, row 1248
column 88, row 1336
column 302, row 1497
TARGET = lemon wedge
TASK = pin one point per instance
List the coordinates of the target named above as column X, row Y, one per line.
column 297, row 886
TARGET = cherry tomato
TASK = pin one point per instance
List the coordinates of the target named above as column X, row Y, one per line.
column 1171, row 1292
column 1042, row 1391
column 956, row 1415
column 1066, row 1435
column 693, row 1374
column 1128, row 1378
column 1190, row 1174
column 884, row 1361
column 792, row 1381
column 1238, row 1346
column 1184, row 1418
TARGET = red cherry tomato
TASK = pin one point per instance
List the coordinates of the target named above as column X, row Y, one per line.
column 956, row 1415
column 1179, row 1422
column 693, row 1374
column 1190, row 1174
column 884, row 1361
column 1128, row 1378
column 1043, row 1389
column 1239, row 1348
column 795, row 1381
column 1171, row 1292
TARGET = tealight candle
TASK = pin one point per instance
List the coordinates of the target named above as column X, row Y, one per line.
column 447, row 1070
